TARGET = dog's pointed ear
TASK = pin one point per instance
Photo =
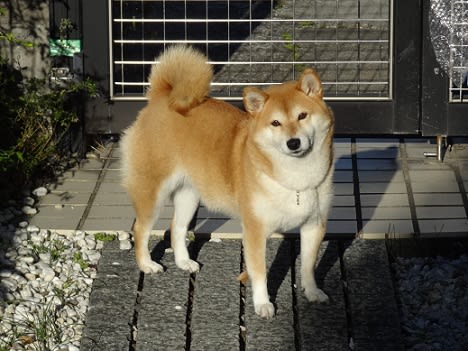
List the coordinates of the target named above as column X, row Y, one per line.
column 254, row 99
column 310, row 83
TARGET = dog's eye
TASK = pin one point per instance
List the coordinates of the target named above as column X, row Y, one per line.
column 275, row 123
column 301, row 115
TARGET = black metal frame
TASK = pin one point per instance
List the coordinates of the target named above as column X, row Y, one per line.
column 420, row 104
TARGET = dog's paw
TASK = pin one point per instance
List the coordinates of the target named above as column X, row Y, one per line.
column 149, row 267
column 188, row 265
column 265, row 310
column 316, row 295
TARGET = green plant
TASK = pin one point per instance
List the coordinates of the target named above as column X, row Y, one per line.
column 104, row 236
column 36, row 115
column 78, row 258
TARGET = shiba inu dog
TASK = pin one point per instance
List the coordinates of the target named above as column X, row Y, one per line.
column 271, row 165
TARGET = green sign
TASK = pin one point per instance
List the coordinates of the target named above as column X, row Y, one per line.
column 64, row 47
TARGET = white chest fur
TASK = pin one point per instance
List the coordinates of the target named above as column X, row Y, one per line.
column 283, row 209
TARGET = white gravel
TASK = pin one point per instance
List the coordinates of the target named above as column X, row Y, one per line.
column 433, row 299
column 45, row 282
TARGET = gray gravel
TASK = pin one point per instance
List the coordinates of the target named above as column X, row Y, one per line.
column 433, row 298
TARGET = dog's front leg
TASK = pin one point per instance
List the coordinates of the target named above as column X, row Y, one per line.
column 254, row 254
column 311, row 236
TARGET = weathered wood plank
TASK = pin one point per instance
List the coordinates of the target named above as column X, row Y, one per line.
column 216, row 299
column 277, row 333
column 323, row 326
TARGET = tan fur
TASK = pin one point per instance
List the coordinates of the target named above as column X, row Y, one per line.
column 187, row 146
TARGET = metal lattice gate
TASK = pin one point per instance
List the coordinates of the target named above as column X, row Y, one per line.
column 387, row 66
column 258, row 42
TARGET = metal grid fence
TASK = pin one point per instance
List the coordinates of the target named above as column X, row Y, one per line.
column 258, row 42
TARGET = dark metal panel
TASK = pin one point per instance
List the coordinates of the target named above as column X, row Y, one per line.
column 406, row 66
column 96, row 65
column 363, row 117
column 110, row 117
column 458, row 119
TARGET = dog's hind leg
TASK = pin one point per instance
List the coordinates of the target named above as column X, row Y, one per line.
column 147, row 205
column 186, row 201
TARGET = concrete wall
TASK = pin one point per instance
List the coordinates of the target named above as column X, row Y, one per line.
column 27, row 20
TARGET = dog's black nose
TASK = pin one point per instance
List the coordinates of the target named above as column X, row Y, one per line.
column 294, row 144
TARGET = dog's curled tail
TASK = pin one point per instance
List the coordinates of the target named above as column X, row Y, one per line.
column 183, row 76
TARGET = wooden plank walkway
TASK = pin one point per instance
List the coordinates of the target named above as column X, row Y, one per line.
column 211, row 310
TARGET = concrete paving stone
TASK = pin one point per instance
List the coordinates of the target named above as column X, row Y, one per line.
column 434, row 187
column 342, row 213
column 116, row 263
column 343, row 188
column 463, row 165
column 430, row 176
column 216, row 302
column 113, row 299
column 50, row 217
column 441, row 226
column 389, row 227
column 343, row 163
column 323, row 326
column 203, row 212
column 111, row 187
column 65, row 198
column 57, row 223
column 384, row 200
column 375, row 314
column 381, row 176
column 385, row 213
column 163, row 305
column 208, row 226
column 105, row 340
column 430, row 164
column 377, row 142
column 343, row 177
column 442, row 212
column 278, row 332
column 430, row 199
column 342, row 142
column 378, row 165
column 112, row 175
column 103, row 198
column 341, row 227
column 106, row 224
column 114, row 164
column 162, row 224
column 390, row 152
column 65, row 211
column 79, row 174
column 91, row 164
column 111, row 211
column 342, row 153
column 82, row 186
column 459, row 151
column 383, row 188
column 166, row 212
column 343, row 200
